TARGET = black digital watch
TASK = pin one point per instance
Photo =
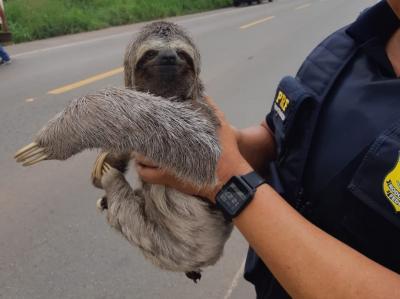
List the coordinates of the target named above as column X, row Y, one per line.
column 237, row 193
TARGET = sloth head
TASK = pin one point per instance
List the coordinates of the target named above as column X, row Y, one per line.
column 164, row 61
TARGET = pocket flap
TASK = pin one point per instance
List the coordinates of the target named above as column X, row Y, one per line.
column 290, row 97
column 377, row 180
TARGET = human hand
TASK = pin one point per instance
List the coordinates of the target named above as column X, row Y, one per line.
column 230, row 163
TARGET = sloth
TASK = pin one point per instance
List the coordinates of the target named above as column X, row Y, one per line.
column 161, row 114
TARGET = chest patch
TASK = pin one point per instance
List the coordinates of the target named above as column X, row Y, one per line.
column 391, row 186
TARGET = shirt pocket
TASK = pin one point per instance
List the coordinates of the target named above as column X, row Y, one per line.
column 371, row 222
column 376, row 182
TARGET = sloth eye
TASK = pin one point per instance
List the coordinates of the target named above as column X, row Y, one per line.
column 150, row 54
column 185, row 56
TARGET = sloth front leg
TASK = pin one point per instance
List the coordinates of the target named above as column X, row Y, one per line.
column 30, row 154
column 117, row 161
column 121, row 201
column 175, row 135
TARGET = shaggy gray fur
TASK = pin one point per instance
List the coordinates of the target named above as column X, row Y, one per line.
column 176, row 135
column 176, row 129
column 175, row 231
column 166, row 33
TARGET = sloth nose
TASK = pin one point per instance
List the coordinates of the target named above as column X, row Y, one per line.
column 167, row 57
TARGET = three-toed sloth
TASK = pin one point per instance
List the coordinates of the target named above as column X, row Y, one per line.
column 161, row 114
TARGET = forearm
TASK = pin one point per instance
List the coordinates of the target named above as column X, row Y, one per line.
column 308, row 262
column 257, row 145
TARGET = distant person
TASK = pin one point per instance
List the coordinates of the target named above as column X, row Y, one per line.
column 5, row 58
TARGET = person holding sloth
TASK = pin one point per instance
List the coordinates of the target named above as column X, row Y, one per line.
column 326, row 223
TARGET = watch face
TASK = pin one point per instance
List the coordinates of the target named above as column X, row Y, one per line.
column 234, row 194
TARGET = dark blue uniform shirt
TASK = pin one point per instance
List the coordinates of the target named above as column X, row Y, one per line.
column 353, row 148
column 346, row 130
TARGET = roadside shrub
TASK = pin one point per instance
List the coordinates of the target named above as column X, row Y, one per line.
column 37, row 19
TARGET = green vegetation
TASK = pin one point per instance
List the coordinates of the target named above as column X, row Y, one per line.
column 38, row 19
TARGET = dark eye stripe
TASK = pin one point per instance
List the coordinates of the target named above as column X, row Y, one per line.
column 150, row 54
column 182, row 54
column 185, row 56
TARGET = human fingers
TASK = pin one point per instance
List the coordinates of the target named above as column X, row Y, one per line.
column 153, row 175
column 145, row 162
column 162, row 177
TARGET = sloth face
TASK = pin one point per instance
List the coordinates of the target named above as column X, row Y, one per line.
column 165, row 68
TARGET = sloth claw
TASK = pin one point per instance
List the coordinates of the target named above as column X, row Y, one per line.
column 97, row 172
column 35, row 160
column 25, row 149
column 30, row 154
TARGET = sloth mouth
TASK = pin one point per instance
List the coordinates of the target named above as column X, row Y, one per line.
column 170, row 63
column 166, row 69
column 166, row 65
column 170, row 68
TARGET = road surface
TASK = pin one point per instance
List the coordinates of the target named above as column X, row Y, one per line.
column 53, row 242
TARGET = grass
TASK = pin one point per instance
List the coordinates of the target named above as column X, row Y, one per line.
column 37, row 19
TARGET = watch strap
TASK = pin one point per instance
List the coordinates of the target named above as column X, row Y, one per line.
column 253, row 179
column 232, row 208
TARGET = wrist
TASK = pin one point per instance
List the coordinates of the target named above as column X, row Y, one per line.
column 241, row 168
column 238, row 193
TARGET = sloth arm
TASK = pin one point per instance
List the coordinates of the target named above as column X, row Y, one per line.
column 176, row 135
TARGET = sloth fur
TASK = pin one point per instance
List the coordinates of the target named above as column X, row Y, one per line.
column 162, row 115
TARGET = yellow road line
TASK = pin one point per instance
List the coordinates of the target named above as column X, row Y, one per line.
column 86, row 81
column 256, row 22
column 303, row 6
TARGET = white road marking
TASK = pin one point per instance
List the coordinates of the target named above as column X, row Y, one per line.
column 235, row 280
column 30, row 100
column 303, row 6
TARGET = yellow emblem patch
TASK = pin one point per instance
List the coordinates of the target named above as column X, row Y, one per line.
column 282, row 100
column 281, row 104
column 391, row 186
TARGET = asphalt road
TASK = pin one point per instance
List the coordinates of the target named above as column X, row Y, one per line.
column 53, row 242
